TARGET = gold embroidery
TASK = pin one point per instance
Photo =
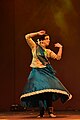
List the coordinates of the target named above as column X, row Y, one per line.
column 46, row 90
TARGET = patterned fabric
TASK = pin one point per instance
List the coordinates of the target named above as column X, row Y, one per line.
column 43, row 81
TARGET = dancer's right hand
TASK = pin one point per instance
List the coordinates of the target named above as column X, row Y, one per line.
column 41, row 32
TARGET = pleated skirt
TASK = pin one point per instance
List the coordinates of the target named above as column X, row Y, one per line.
column 43, row 81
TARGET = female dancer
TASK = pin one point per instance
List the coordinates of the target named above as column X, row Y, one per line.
column 43, row 86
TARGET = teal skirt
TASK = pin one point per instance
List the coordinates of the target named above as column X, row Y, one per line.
column 43, row 81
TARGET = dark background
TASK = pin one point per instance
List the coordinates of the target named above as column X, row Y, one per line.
column 61, row 20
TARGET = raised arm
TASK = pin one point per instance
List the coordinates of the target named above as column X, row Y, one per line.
column 59, row 54
column 29, row 37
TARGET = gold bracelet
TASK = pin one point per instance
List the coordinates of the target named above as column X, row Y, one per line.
column 37, row 33
column 29, row 35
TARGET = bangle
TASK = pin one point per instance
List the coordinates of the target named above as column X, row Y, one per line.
column 37, row 33
column 61, row 46
column 29, row 35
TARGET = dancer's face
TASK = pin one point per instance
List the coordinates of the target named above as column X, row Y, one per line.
column 46, row 41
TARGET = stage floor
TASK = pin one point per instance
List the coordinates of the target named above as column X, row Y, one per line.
column 32, row 115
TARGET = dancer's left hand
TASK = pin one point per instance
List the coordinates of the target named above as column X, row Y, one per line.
column 58, row 45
